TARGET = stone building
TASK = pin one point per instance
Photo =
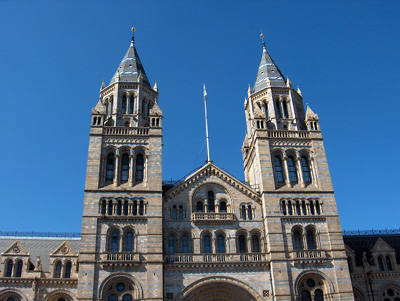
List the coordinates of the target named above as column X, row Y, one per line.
column 275, row 236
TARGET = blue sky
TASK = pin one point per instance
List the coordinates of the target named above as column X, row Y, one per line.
column 344, row 55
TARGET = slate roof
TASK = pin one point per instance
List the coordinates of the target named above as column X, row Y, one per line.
column 42, row 247
column 268, row 69
column 130, row 68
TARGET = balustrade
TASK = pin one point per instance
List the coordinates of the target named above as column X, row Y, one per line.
column 123, row 257
column 287, row 134
column 215, row 258
column 312, row 254
column 115, row 130
column 212, row 216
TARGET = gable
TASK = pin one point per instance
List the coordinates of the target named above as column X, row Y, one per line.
column 64, row 250
column 382, row 246
column 16, row 249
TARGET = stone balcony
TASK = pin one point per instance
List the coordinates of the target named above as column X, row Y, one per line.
column 128, row 131
column 210, row 259
column 214, row 218
column 309, row 257
column 120, row 259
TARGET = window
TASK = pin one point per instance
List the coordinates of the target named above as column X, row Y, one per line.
column 249, row 213
column 110, row 208
column 110, row 167
column 141, row 208
column 119, row 208
column 103, row 207
column 57, row 271
column 134, row 212
column 243, row 212
column 297, row 240
column 311, row 243
column 312, row 211
column 9, row 268
column 266, row 111
column 389, row 263
column 278, row 169
column 285, row 109
column 181, row 213
column 199, row 206
column 185, row 244
column 126, row 124
column 127, row 298
column 298, row 210
column 124, row 105
column 171, row 244
column 380, row 263
column 318, row 295
column 305, row 170
column 305, row 296
column 18, row 273
column 126, row 208
column 112, row 298
column 278, row 109
column 125, row 168
column 207, row 244
column 139, row 168
column 220, row 244
column 129, row 242
column 211, row 201
column 114, row 242
column 174, row 213
column 131, row 105
column 292, row 170
column 222, row 207
column 255, row 243
column 317, row 207
column 68, row 266
column 242, row 244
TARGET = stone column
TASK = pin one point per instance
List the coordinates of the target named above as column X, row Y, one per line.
column 249, row 243
column 286, row 171
column 131, row 167
column 116, row 168
column 299, row 171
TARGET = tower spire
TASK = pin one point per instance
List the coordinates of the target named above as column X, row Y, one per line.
column 263, row 42
column 133, row 34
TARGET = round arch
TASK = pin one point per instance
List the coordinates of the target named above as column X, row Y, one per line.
column 120, row 277
column 219, row 288
column 53, row 296
column 326, row 283
column 11, row 293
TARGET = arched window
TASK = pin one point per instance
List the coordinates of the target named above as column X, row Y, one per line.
column 125, row 168
column 305, row 296
column 292, row 170
column 298, row 210
column 18, row 272
column 110, row 167
column 171, row 244
column 285, row 109
column 283, row 207
column 389, row 264
column 290, row 209
column 266, row 111
column 305, row 169
column 174, row 213
column 312, row 211
column 141, row 208
column 127, row 298
column 134, row 209
column 68, row 267
column 242, row 244
column 278, row 109
column 318, row 295
column 222, row 207
column 181, row 213
column 12, row 299
column 380, row 263
column 185, row 244
column 211, row 201
column 278, row 170
column 255, row 243
column 249, row 213
column 112, row 298
column 243, row 212
column 119, row 208
column 9, row 268
column 129, row 242
column 126, row 208
column 297, row 240
column 103, row 207
column 110, row 208
column 57, row 271
column 124, row 104
column 114, row 242
column 126, row 124
column 131, row 105
column 207, row 244
column 317, row 207
column 220, row 244
column 139, row 168
column 199, row 206
column 303, row 207
column 311, row 243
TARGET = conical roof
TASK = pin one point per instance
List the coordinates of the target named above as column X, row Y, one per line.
column 268, row 71
column 130, row 68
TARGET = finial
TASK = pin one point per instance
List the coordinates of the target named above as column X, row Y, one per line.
column 155, row 88
column 133, row 33
column 262, row 38
column 298, row 91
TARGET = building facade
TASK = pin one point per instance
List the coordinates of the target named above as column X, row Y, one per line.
column 275, row 236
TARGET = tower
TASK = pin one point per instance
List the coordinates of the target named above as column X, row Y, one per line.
column 122, row 216
column 284, row 156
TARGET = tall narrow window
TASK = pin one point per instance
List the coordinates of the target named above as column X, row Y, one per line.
column 114, row 242
column 141, row 208
column 255, row 242
column 174, row 213
column 298, row 210
column 112, row 297
column 110, row 167
column 380, row 263
column 317, row 207
column 292, row 170
column 9, row 268
column 181, row 213
column 126, row 208
column 119, row 208
column 318, row 295
column 305, row 296
column 249, row 213
column 311, row 243
column 389, row 264
column 139, row 168
column 312, row 211
column 266, row 111
column 243, row 212
column 220, row 244
column 134, row 209
column 278, row 169
column 285, row 109
column 199, row 206
column 283, row 205
column 124, row 104
column 127, row 297
column 18, row 272
column 303, row 208
column 171, row 244
column 131, row 105
column 207, row 244
column 242, row 244
column 222, row 207
column 211, row 201
column 57, row 272
column 106, row 107
column 305, row 169
column 110, row 208
column 129, row 242
column 185, row 244
column 125, row 168
column 278, row 109
column 103, row 207
column 297, row 240
column 68, row 267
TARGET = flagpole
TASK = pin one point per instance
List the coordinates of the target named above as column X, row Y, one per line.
column 205, row 110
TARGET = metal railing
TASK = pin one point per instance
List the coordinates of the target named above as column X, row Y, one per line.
column 40, row 234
